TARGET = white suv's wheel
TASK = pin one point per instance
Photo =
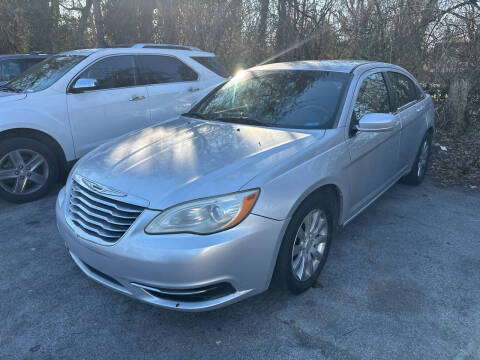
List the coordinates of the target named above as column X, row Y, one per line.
column 28, row 169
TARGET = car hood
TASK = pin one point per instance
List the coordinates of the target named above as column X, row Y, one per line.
column 6, row 96
column 187, row 159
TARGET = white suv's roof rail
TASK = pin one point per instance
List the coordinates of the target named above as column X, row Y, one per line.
column 165, row 46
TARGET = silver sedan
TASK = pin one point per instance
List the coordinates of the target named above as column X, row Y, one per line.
column 249, row 187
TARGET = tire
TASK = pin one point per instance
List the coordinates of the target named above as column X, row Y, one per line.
column 285, row 277
column 28, row 169
column 417, row 173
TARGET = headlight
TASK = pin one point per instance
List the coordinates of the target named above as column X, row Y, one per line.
column 205, row 216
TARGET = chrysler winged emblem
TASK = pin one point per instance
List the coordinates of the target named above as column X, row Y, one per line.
column 98, row 188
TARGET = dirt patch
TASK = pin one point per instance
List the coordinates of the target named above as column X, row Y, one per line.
column 455, row 160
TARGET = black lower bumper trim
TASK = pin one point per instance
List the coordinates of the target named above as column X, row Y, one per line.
column 205, row 293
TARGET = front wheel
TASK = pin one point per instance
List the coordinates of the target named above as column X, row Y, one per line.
column 305, row 246
column 28, row 169
column 417, row 173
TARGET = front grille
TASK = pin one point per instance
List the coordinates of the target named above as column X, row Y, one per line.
column 100, row 216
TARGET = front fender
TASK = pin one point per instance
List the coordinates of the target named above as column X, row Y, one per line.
column 325, row 163
column 46, row 114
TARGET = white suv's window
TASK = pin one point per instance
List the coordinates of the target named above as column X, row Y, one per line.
column 158, row 69
column 9, row 69
column 44, row 74
column 212, row 64
column 113, row 72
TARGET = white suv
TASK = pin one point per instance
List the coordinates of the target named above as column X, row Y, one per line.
column 72, row 102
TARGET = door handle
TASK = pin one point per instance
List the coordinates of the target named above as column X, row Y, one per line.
column 136, row 98
column 193, row 89
column 420, row 109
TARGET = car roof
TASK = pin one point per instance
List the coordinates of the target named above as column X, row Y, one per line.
column 23, row 56
column 344, row 66
column 143, row 48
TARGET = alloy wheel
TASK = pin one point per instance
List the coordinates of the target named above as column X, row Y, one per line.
column 309, row 245
column 422, row 159
column 23, row 171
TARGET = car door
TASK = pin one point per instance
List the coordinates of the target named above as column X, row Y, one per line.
column 116, row 105
column 408, row 104
column 374, row 155
column 172, row 86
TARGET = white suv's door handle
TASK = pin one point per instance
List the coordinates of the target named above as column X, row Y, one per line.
column 136, row 98
column 193, row 89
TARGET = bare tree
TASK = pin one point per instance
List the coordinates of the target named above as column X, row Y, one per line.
column 97, row 13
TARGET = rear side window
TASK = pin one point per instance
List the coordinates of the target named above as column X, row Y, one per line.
column 372, row 97
column 212, row 64
column 113, row 72
column 158, row 69
column 404, row 90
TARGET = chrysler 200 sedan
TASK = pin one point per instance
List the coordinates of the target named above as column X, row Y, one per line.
column 249, row 187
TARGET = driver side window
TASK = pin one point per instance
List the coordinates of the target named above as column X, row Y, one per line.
column 372, row 97
column 113, row 72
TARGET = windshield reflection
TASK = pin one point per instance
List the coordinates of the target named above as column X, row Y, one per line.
column 44, row 74
column 283, row 98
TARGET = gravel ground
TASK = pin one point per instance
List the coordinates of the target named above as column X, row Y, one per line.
column 402, row 282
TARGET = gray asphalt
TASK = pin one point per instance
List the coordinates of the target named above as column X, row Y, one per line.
column 402, row 282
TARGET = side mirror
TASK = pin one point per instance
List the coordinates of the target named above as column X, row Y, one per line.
column 374, row 122
column 84, row 84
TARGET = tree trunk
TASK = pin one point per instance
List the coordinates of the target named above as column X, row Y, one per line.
column 55, row 18
column 170, row 22
column 82, row 25
column 145, row 27
column 457, row 118
column 282, row 25
column 97, row 13
column 262, row 30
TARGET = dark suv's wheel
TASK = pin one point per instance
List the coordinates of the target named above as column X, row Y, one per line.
column 417, row 173
column 306, row 243
column 28, row 169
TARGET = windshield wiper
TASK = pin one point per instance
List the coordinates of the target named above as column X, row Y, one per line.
column 243, row 120
column 195, row 115
column 9, row 88
column 231, row 119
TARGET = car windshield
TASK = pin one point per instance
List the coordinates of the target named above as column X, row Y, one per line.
column 281, row 98
column 44, row 74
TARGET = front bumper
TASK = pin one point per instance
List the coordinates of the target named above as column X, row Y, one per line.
column 236, row 263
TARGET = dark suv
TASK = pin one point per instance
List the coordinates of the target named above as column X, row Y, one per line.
column 13, row 65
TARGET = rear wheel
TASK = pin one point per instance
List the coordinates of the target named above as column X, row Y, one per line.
column 28, row 169
column 305, row 246
column 417, row 173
